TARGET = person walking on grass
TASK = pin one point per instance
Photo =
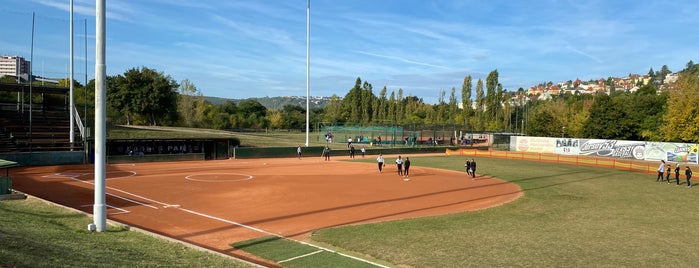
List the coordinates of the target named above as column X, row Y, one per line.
column 688, row 174
column 677, row 174
column 667, row 174
column 661, row 169
column 399, row 164
column 379, row 160
column 406, row 164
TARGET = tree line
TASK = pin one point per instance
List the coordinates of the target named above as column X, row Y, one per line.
column 143, row 96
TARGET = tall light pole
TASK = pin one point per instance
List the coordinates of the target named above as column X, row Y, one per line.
column 72, row 115
column 100, row 209
column 308, row 68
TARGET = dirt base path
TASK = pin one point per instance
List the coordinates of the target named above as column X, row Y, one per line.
column 214, row 203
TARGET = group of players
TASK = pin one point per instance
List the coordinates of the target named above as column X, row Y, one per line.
column 666, row 169
column 403, row 166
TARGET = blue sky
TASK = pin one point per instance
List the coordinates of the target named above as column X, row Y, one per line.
column 257, row 48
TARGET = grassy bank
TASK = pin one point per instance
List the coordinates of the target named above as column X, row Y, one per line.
column 37, row 234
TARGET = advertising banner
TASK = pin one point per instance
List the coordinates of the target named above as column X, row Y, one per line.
column 693, row 155
column 535, row 144
column 672, row 152
column 613, row 148
column 567, row 146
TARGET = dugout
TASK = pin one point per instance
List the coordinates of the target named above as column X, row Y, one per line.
column 153, row 150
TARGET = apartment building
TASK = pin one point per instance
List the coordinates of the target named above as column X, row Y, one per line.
column 14, row 66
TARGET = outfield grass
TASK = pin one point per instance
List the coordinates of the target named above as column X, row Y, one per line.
column 37, row 234
column 570, row 216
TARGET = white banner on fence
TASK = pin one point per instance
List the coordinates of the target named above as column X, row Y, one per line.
column 613, row 148
column 652, row 151
column 567, row 146
column 533, row 144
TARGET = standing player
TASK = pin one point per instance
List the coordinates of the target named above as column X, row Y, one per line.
column 468, row 167
column 473, row 168
column 406, row 172
column 352, row 151
column 326, row 153
column 677, row 174
column 380, row 161
column 688, row 174
column 399, row 164
column 667, row 174
column 363, row 151
column 298, row 152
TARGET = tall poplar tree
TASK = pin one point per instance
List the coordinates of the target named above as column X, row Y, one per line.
column 478, row 120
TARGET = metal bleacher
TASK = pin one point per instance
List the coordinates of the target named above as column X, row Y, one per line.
column 41, row 131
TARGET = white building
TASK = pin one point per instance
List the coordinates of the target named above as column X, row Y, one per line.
column 14, row 66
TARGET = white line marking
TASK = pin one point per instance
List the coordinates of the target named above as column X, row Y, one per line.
column 130, row 200
column 123, row 211
column 270, row 233
column 302, row 256
column 116, row 196
column 228, row 221
column 222, row 220
column 245, row 177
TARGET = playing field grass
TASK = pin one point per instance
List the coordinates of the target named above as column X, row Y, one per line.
column 569, row 216
column 36, row 234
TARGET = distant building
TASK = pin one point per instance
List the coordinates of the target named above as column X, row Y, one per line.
column 14, row 66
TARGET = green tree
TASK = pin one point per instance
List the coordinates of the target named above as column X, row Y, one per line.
column 144, row 96
column 491, row 98
column 466, row 89
column 188, row 99
column 479, row 120
column 253, row 114
column 607, row 119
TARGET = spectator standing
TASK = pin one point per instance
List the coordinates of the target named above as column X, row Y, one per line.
column 677, row 174
column 351, row 151
column 667, row 174
column 298, row 152
column 363, row 151
column 688, row 174
column 661, row 169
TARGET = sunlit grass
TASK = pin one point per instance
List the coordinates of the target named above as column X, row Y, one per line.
column 37, row 234
column 570, row 216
